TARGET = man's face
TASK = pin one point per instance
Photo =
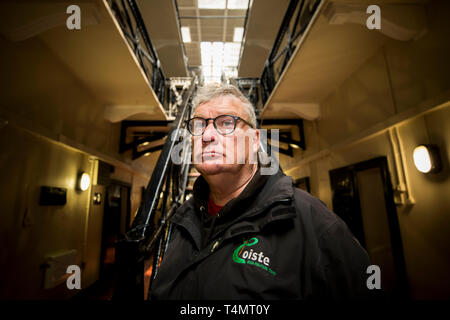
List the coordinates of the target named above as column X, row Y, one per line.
column 215, row 153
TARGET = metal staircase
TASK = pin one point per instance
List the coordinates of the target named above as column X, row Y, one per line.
column 147, row 240
column 166, row 191
column 171, row 183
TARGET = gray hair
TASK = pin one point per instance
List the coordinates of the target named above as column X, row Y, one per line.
column 213, row 90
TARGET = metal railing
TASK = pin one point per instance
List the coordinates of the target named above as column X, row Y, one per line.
column 295, row 21
column 151, row 228
column 150, row 231
column 176, row 86
column 250, row 87
column 133, row 27
column 258, row 90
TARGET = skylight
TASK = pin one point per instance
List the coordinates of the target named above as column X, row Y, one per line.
column 219, row 58
column 212, row 4
column 237, row 4
column 186, row 34
column 222, row 4
column 238, row 34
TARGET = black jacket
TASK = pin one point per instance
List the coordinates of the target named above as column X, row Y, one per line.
column 271, row 242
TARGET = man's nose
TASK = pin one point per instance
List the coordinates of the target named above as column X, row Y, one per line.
column 210, row 132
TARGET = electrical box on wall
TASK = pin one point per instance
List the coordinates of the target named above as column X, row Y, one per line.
column 56, row 267
column 53, row 196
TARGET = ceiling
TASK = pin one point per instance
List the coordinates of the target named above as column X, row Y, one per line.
column 330, row 52
column 204, row 27
column 161, row 22
column 37, row 32
column 122, row 88
column 264, row 20
column 211, row 25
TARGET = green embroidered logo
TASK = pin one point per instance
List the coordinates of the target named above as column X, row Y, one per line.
column 258, row 259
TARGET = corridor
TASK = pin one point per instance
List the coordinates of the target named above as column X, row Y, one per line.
column 352, row 100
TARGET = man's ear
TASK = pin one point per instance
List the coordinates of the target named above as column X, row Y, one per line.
column 256, row 141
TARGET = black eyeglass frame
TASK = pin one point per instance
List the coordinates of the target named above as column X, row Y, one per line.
column 235, row 118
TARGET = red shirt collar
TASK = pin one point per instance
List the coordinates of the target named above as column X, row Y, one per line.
column 213, row 208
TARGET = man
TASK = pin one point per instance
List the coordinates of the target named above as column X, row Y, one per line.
column 245, row 235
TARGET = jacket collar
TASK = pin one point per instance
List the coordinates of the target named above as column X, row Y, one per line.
column 202, row 191
column 262, row 193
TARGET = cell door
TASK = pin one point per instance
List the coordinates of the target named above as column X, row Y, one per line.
column 363, row 198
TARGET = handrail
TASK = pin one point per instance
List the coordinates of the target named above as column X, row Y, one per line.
column 177, row 12
column 250, row 88
column 139, row 242
column 143, row 217
column 129, row 18
column 289, row 32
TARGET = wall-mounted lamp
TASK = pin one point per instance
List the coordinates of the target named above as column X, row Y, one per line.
column 427, row 158
column 83, row 181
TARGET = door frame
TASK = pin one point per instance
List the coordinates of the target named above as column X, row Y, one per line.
column 127, row 218
column 391, row 211
column 128, row 209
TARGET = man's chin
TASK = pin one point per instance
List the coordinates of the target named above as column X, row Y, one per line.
column 211, row 168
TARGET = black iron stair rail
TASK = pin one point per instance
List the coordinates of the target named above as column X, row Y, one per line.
column 138, row 243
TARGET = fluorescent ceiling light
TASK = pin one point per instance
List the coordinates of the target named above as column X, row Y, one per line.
column 238, row 34
column 186, row 34
column 211, row 4
column 237, row 4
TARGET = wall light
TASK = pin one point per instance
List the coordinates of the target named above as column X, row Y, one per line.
column 84, row 181
column 427, row 159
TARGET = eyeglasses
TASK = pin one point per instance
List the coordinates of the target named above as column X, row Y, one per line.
column 224, row 124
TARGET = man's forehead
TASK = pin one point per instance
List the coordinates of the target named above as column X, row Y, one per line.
column 220, row 105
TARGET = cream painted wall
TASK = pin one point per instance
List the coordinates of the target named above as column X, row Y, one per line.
column 51, row 125
column 424, row 226
column 29, row 162
column 38, row 87
column 93, row 237
column 398, row 87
